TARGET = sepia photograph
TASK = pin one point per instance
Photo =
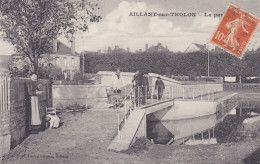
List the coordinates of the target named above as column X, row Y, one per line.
column 129, row 81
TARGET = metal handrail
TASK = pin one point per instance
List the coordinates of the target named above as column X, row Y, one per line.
column 170, row 92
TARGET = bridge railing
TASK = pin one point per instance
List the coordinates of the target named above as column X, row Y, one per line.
column 140, row 96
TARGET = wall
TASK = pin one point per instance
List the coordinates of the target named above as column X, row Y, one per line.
column 93, row 95
column 184, row 108
column 89, row 95
column 15, row 119
column 65, row 95
column 107, row 77
column 19, row 108
column 5, row 137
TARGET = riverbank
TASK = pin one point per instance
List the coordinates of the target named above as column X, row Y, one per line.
column 84, row 138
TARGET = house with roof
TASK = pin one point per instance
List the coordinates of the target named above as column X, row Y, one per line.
column 63, row 57
column 158, row 48
column 116, row 50
column 66, row 58
column 195, row 47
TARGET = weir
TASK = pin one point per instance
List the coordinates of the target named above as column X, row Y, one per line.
column 134, row 125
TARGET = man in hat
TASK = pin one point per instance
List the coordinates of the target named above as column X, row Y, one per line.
column 159, row 87
column 138, row 87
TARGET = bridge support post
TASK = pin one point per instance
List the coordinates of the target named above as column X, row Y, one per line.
column 193, row 93
column 118, row 125
column 209, row 135
column 239, row 112
column 183, row 92
column 145, row 126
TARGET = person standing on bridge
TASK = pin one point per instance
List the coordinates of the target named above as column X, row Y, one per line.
column 138, row 85
column 118, row 83
column 145, row 89
column 159, row 87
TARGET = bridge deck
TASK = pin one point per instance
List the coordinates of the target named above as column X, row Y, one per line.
column 138, row 116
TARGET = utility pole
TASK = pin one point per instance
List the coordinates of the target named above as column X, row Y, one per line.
column 208, row 59
column 83, row 64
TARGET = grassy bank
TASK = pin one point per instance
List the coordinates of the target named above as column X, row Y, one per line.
column 84, row 138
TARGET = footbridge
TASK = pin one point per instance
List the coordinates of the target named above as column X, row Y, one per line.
column 177, row 103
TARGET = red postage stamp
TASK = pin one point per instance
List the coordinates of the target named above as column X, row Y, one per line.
column 235, row 30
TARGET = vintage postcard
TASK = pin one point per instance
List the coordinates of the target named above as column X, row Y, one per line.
column 129, row 81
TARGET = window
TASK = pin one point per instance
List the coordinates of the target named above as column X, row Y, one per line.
column 65, row 61
column 57, row 61
column 73, row 62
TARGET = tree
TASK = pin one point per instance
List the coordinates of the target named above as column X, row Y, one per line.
column 32, row 25
column 21, row 67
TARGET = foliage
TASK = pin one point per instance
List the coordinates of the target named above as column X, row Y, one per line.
column 32, row 25
column 194, row 63
column 22, row 67
column 51, row 72
column 141, row 145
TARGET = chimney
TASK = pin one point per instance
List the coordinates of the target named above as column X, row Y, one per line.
column 146, row 47
column 109, row 50
column 55, row 46
column 128, row 49
column 99, row 51
column 140, row 50
column 72, row 45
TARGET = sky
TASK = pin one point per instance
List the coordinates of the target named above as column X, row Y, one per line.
column 117, row 27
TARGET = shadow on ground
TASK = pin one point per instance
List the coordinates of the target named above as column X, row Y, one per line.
column 253, row 158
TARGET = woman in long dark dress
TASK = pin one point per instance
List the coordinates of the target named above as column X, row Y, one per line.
column 35, row 113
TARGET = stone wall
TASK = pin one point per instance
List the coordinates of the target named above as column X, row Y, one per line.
column 14, row 121
column 85, row 95
column 5, row 137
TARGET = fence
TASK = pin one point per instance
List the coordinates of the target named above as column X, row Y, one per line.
column 4, row 94
column 241, row 86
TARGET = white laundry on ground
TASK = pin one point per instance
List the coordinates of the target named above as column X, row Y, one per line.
column 54, row 121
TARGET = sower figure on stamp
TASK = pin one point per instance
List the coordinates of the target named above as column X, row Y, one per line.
column 159, row 87
column 33, row 90
column 233, row 27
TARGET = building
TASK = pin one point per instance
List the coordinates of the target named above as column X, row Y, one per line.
column 118, row 50
column 195, row 47
column 63, row 57
column 158, row 48
column 66, row 58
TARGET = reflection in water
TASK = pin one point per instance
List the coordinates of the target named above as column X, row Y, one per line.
column 229, row 129
column 163, row 131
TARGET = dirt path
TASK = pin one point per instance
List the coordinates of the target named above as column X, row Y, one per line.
column 84, row 138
